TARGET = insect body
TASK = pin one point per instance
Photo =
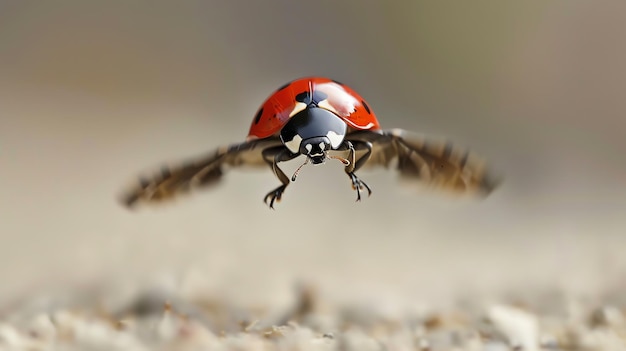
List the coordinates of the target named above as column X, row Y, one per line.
column 322, row 119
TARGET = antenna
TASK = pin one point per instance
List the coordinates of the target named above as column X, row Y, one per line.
column 295, row 174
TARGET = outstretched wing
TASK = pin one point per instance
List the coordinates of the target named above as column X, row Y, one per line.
column 438, row 164
column 201, row 172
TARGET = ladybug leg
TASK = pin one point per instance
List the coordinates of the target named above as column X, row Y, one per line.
column 272, row 157
column 356, row 164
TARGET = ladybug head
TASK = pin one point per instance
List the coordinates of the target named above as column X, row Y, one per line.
column 313, row 132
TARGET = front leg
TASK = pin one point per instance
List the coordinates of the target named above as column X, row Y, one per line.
column 356, row 164
column 272, row 156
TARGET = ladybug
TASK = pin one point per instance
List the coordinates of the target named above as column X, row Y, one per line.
column 322, row 119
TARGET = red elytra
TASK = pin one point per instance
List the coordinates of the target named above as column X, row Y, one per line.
column 342, row 100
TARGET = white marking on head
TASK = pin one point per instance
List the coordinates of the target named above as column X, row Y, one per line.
column 294, row 144
column 308, row 147
column 322, row 146
column 335, row 139
column 300, row 106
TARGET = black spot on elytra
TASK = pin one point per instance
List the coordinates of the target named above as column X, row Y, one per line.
column 305, row 97
column 367, row 108
column 257, row 118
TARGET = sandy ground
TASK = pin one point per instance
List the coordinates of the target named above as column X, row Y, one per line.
column 167, row 319
column 93, row 94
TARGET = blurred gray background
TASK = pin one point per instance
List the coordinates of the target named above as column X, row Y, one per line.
column 94, row 93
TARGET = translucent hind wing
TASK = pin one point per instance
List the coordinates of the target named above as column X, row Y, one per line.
column 202, row 172
column 434, row 163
